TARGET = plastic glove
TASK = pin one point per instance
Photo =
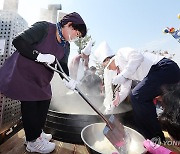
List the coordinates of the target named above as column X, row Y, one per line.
column 45, row 58
column 87, row 49
column 71, row 84
column 116, row 101
column 155, row 148
column 119, row 79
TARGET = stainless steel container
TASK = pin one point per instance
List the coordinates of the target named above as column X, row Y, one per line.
column 93, row 133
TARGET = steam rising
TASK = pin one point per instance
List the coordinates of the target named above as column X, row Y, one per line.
column 67, row 101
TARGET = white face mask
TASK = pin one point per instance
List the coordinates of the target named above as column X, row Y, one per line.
column 109, row 75
column 74, row 39
column 70, row 37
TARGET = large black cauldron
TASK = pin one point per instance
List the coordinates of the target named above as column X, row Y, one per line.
column 69, row 113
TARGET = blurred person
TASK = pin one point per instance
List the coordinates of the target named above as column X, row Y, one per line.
column 80, row 63
column 169, row 119
column 92, row 83
column 152, row 71
column 24, row 77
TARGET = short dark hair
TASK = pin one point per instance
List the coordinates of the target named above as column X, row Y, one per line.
column 92, row 68
column 170, row 118
column 77, row 22
column 81, row 28
column 108, row 58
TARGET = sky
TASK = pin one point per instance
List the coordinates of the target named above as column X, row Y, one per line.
column 121, row 23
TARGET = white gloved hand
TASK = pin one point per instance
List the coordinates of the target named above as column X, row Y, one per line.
column 87, row 49
column 71, row 84
column 109, row 108
column 119, row 79
column 46, row 58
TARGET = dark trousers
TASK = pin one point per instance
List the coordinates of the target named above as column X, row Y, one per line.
column 34, row 115
column 164, row 72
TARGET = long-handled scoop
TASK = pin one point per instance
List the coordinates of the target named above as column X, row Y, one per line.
column 114, row 130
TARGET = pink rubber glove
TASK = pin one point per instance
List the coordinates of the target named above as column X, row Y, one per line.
column 155, row 148
column 116, row 101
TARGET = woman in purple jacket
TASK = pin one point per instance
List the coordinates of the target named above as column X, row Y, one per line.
column 24, row 77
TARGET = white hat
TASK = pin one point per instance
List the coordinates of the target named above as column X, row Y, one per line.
column 87, row 49
column 103, row 51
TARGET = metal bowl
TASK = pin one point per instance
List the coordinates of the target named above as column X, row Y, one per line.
column 93, row 133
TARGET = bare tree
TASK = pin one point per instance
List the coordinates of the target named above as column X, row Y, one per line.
column 82, row 42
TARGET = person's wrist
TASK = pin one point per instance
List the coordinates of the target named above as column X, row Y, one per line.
column 35, row 54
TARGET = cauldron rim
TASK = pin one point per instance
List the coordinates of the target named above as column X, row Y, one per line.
column 64, row 113
column 77, row 114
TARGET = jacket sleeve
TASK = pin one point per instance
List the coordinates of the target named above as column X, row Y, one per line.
column 124, row 90
column 86, row 62
column 24, row 43
column 134, row 60
column 73, row 67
